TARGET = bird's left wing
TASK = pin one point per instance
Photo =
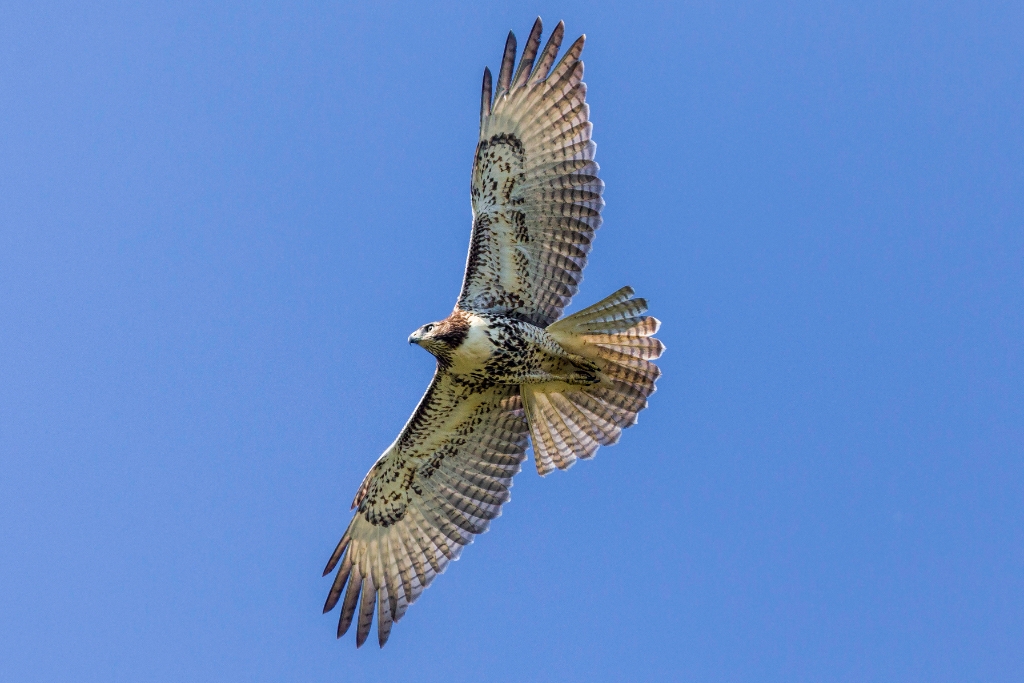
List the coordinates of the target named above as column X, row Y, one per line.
column 438, row 485
column 536, row 195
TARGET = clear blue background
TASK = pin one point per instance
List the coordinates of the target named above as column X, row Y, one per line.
column 219, row 224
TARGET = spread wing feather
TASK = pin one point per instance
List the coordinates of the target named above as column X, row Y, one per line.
column 535, row 191
column 441, row 483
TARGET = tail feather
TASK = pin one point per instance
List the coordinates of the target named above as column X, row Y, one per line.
column 559, row 452
column 640, row 347
column 634, row 327
column 621, row 356
column 571, row 422
column 577, row 424
column 634, row 377
column 560, row 432
column 622, row 311
column 623, row 400
column 605, row 424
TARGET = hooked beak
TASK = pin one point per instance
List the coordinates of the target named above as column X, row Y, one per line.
column 413, row 339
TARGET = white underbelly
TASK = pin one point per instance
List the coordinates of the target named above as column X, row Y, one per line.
column 475, row 349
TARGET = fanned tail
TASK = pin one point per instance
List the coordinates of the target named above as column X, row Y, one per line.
column 569, row 422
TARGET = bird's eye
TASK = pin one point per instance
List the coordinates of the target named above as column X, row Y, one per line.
column 428, row 328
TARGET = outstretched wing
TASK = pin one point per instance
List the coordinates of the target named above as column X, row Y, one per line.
column 536, row 195
column 438, row 485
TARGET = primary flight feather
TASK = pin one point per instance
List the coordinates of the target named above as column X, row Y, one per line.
column 510, row 373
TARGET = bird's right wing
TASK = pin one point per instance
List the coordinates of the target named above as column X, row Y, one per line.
column 438, row 485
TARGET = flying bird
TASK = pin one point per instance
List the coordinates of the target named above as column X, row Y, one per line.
column 511, row 372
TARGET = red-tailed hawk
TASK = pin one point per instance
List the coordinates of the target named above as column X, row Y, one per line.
column 510, row 373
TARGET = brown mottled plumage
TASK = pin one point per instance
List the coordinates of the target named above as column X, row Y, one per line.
column 509, row 371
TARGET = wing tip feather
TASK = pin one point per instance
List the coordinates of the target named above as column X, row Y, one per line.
column 508, row 59
column 486, row 94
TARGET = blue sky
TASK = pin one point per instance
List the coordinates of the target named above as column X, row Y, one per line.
column 218, row 225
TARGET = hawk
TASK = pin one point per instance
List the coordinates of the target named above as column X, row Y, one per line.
column 511, row 372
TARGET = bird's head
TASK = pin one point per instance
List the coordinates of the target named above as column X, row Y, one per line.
column 442, row 337
column 424, row 335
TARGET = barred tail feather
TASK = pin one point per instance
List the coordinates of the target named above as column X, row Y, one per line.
column 571, row 422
